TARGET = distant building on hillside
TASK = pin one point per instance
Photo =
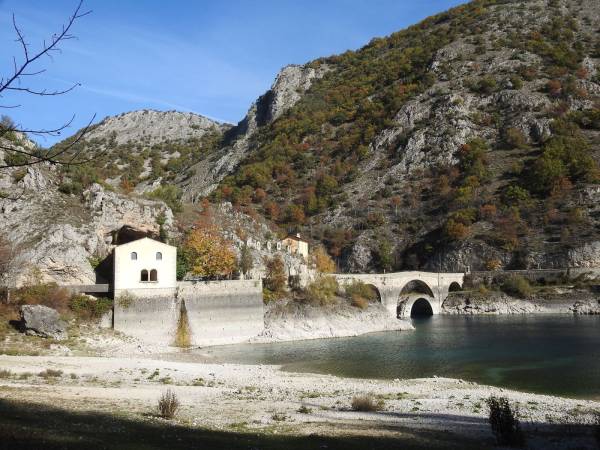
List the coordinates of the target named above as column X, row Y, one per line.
column 295, row 245
column 145, row 266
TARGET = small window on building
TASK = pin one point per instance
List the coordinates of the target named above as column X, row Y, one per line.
column 153, row 275
column 133, row 256
column 144, row 275
column 158, row 256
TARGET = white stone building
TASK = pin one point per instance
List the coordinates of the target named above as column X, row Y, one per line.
column 145, row 267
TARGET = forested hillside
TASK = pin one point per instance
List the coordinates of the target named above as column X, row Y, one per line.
column 470, row 139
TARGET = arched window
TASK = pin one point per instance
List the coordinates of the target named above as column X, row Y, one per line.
column 158, row 256
column 144, row 275
column 153, row 275
column 133, row 256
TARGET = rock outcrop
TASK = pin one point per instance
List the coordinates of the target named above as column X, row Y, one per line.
column 557, row 301
column 153, row 127
column 39, row 320
column 285, row 92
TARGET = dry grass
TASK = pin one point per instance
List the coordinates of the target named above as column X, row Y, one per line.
column 5, row 373
column 50, row 373
column 361, row 294
column 168, row 404
column 366, row 403
column 359, row 302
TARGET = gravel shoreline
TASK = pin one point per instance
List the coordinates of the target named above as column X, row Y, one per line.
column 260, row 397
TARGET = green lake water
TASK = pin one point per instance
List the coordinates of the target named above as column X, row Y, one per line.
column 558, row 355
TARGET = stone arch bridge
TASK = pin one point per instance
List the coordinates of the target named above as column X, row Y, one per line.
column 409, row 293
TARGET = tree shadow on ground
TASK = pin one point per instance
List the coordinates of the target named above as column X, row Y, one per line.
column 27, row 426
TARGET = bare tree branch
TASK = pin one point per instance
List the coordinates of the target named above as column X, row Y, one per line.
column 43, row 92
column 12, row 84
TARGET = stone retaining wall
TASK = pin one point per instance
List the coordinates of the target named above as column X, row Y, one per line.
column 223, row 312
column 219, row 312
column 152, row 319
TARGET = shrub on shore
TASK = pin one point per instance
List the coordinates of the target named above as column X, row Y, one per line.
column 81, row 306
column 360, row 294
column 366, row 403
column 505, row 422
column 517, row 285
column 50, row 373
column 321, row 292
column 359, row 302
column 275, row 280
column 168, row 404
column 47, row 294
column 88, row 308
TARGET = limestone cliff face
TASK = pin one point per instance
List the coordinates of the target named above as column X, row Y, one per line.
column 56, row 236
column 291, row 82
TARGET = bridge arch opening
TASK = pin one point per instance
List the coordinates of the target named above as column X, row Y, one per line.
column 374, row 294
column 454, row 287
column 417, row 287
column 362, row 293
column 421, row 308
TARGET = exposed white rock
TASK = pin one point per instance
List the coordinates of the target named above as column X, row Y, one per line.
column 290, row 321
column 151, row 127
column 291, row 82
column 586, row 255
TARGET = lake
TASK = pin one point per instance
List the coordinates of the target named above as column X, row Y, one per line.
column 557, row 355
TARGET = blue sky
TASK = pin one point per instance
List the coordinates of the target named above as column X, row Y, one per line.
column 210, row 57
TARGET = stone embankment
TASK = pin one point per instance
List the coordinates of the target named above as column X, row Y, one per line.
column 551, row 301
column 291, row 321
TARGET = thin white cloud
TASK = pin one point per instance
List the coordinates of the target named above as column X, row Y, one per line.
column 135, row 98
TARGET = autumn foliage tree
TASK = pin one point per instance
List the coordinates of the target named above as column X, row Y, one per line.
column 275, row 278
column 209, row 254
column 322, row 261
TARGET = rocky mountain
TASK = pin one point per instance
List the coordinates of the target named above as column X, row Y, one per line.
column 469, row 140
column 204, row 176
column 139, row 149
